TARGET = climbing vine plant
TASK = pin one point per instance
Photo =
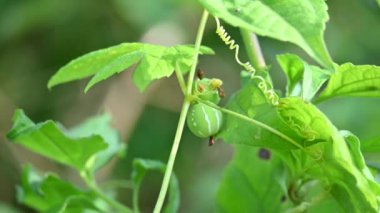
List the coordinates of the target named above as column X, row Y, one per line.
column 284, row 143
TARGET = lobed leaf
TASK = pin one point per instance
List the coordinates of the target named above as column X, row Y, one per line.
column 90, row 63
column 100, row 125
column 297, row 21
column 50, row 194
column 293, row 68
column 341, row 164
column 313, row 79
column 305, row 119
column 152, row 62
column 349, row 176
column 340, row 169
column 352, row 80
column 300, row 74
column 353, row 144
column 49, row 140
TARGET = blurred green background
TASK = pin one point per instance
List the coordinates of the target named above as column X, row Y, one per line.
column 37, row 37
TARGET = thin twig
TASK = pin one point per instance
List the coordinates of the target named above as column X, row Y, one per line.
column 182, row 118
column 180, row 79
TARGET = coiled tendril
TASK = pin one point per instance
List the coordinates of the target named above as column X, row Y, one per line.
column 269, row 92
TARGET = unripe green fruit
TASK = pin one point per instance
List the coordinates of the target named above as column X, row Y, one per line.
column 204, row 121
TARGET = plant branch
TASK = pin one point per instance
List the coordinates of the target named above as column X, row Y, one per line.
column 198, row 42
column 135, row 199
column 252, row 47
column 180, row 79
column 182, row 118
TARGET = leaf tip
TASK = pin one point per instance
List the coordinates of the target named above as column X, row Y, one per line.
column 18, row 115
column 88, row 87
column 51, row 83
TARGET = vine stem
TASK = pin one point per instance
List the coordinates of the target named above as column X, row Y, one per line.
column 182, row 118
column 181, row 81
column 253, row 49
column 135, row 199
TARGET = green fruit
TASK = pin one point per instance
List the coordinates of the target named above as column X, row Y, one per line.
column 204, row 121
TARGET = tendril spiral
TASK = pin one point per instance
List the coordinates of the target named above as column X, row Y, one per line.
column 231, row 43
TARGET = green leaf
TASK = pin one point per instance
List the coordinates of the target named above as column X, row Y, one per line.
column 306, row 119
column 297, row 21
column 340, row 162
column 353, row 144
column 253, row 184
column 299, row 73
column 100, row 125
column 251, row 102
column 91, row 63
column 293, row 68
column 49, row 140
column 352, row 80
column 337, row 164
column 347, row 175
column 153, row 62
column 353, row 180
column 78, row 204
column 313, row 79
column 50, row 194
column 340, row 168
column 141, row 167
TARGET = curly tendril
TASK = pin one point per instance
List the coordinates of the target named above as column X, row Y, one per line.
column 303, row 131
column 226, row 38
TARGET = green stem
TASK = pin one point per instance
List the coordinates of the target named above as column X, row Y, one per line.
column 253, row 121
column 182, row 118
column 252, row 47
column 91, row 183
column 135, row 199
column 181, row 81
column 198, row 41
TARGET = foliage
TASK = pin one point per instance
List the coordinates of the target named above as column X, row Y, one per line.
column 154, row 62
column 296, row 21
column 288, row 157
column 86, row 148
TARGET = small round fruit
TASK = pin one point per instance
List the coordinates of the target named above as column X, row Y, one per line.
column 204, row 121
